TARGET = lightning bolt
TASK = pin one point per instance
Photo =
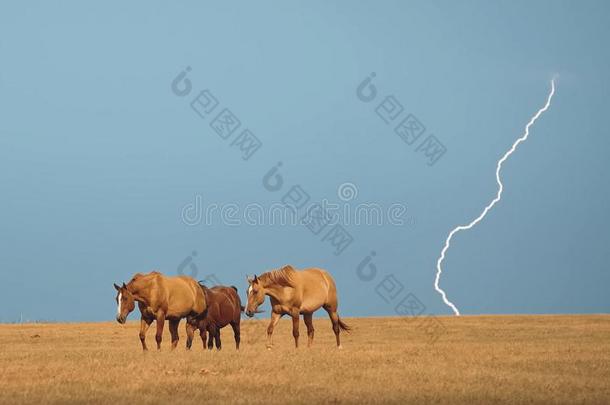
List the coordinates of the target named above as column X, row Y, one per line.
column 493, row 202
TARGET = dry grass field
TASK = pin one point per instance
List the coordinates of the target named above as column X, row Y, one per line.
column 478, row 359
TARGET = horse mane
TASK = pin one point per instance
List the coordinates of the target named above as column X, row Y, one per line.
column 205, row 290
column 283, row 276
column 136, row 277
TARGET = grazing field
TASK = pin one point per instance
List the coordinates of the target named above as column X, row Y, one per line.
column 481, row 359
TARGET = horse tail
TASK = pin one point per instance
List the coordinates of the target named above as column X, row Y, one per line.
column 344, row 326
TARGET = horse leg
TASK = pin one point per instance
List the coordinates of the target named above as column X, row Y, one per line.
column 275, row 318
column 236, row 333
column 203, row 338
column 144, row 325
column 308, row 318
column 190, row 333
column 160, row 324
column 295, row 328
column 217, row 338
column 334, row 318
column 173, row 330
column 211, row 334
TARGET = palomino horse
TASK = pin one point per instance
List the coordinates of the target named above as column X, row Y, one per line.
column 293, row 293
column 159, row 298
column 224, row 308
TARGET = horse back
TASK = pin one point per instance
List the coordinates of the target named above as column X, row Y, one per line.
column 183, row 295
column 317, row 278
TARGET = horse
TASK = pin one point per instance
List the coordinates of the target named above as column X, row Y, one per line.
column 160, row 297
column 294, row 293
column 223, row 308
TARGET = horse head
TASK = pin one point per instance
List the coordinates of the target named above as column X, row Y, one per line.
column 256, row 296
column 125, row 303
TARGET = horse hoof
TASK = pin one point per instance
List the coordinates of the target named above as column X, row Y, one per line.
column 340, row 347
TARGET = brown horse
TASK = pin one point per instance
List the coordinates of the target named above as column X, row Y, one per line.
column 223, row 308
column 159, row 298
column 293, row 293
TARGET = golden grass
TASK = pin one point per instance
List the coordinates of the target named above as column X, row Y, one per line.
column 479, row 359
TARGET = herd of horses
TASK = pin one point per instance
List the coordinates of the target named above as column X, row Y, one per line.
column 208, row 310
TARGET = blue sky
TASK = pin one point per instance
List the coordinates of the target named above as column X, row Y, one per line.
column 99, row 157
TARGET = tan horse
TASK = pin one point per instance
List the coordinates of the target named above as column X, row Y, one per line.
column 293, row 293
column 159, row 298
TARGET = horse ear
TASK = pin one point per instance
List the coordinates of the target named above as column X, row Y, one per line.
column 249, row 279
column 124, row 286
column 117, row 287
column 255, row 279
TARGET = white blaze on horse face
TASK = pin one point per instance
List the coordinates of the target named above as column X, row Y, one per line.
column 118, row 310
column 249, row 290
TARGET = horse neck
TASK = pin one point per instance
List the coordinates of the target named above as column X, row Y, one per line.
column 140, row 290
column 273, row 290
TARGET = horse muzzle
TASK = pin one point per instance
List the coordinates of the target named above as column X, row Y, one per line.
column 121, row 319
column 250, row 313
